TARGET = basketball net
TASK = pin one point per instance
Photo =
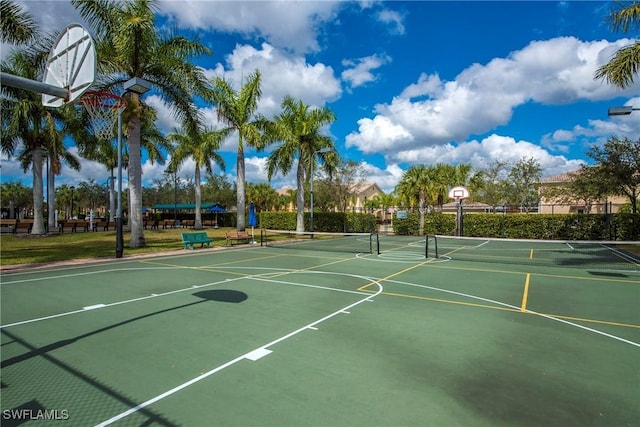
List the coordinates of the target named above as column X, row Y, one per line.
column 103, row 107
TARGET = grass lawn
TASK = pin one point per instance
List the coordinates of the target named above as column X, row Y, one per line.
column 27, row 249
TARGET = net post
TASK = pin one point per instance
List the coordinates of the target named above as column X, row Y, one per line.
column 377, row 244
column 426, row 246
column 435, row 242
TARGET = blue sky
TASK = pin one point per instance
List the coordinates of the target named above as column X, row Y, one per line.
column 409, row 82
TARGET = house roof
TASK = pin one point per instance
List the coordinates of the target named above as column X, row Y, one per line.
column 562, row 177
column 364, row 186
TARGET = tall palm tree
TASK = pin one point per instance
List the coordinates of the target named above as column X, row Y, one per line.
column 129, row 45
column 298, row 129
column 17, row 25
column 416, row 184
column 238, row 111
column 622, row 68
column 202, row 147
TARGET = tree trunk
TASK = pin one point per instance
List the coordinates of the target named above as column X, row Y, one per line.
column 51, row 199
column 240, row 197
column 38, row 217
column 198, row 221
column 300, row 197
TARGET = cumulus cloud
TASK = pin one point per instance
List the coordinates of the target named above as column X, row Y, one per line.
column 359, row 71
column 282, row 74
column 482, row 153
column 433, row 113
column 288, row 25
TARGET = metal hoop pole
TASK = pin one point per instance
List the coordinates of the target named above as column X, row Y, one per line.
column 119, row 238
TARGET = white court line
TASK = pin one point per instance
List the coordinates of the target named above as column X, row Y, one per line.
column 260, row 349
column 253, row 276
column 546, row 316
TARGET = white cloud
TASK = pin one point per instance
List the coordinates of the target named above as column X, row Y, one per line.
column 434, row 113
column 482, row 153
column 282, row 74
column 360, row 71
column 289, row 25
column 393, row 20
column 597, row 131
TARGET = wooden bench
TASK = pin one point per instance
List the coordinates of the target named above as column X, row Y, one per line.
column 169, row 223
column 238, row 236
column 8, row 225
column 188, row 223
column 209, row 223
column 190, row 239
column 73, row 225
column 24, row 225
column 104, row 225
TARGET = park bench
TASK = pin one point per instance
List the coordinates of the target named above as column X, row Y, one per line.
column 24, row 225
column 210, row 223
column 238, row 236
column 169, row 223
column 190, row 239
column 188, row 223
column 104, row 225
column 73, row 225
column 8, row 225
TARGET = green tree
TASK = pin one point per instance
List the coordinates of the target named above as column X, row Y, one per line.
column 17, row 25
column 416, row 183
column 523, row 182
column 346, row 179
column 492, row 189
column 298, row 129
column 264, row 196
column 129, row 45
column 15, row 198
column 238, row 111
column 201, row 146
column 622, row 68
column 219, row 189
column 618, row 168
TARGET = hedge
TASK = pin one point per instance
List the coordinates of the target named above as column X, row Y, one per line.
column 620, row 226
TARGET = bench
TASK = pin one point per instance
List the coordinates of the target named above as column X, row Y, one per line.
column 8, row 225
column 209, row 223
column 230, row 236
column 74, row 225
column 104, row 225
column 24, row 225
column 190, row 239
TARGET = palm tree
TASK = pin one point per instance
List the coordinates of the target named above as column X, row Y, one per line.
column 298, row 130
column 621, row 69
column 416, row 184
column 17, row 25
column 129, row 45
column 237, row 110
column 202, row 147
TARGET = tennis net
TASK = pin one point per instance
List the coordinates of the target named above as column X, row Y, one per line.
column 588, row 255
column 318, row 241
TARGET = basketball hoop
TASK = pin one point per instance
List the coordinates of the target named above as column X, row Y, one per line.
column 103, row 107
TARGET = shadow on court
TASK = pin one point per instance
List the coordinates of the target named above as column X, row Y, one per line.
column 219, row 295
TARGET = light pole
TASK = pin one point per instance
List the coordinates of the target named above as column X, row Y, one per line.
column 313, row 162
column 621, row 111
column 72, row 188
column 139, row 86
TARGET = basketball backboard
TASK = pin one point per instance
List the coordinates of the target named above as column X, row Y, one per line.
column 459, row 193
column 71, row 65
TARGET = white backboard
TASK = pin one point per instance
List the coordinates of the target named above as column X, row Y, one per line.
column 71, row 65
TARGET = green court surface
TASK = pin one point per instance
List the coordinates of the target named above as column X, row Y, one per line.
column 294, row 336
